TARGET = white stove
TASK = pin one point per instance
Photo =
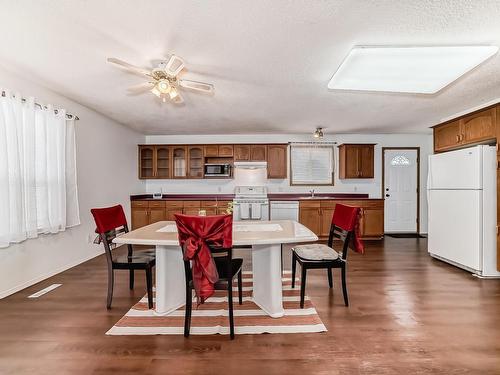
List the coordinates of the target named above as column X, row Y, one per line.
column 251, row 203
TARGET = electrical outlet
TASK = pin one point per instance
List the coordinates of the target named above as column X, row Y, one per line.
column 219, row 189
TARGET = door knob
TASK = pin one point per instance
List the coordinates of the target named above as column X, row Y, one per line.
column 387, row 195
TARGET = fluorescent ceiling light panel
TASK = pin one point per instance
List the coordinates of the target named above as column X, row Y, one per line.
column 420, row 70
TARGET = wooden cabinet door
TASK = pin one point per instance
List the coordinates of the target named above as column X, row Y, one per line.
column 309, row 215
column 241, row 152
column 162, row 162
column 326, row 221
column 349, row 161
column 146, row 162
column 366, row 161
column 156, row 214
column 195, row 162
column 372, row 223
column 140, row 216
column 169, row 213
column 225, row 150
column 479, row 126
column 277, row 161
column 179, row 161
column 211, row 151
column 258, row 152
column 447, row 136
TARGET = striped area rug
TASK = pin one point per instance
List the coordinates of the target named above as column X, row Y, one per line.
column 212, row 317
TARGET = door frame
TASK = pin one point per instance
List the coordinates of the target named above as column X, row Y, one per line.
column 418, row 178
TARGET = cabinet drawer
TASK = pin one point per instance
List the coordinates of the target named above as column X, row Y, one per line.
column 195, row 204
column 139, row 203
column 170, row 204
column 328, row 204
column 310, row 204
column 156, row 203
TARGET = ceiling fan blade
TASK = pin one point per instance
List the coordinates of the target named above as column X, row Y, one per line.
column 174, row 65
column 129, row 67
column 195, row 85
column 140, row 88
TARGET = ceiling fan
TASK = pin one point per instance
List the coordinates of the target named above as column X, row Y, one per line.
column 163, row 79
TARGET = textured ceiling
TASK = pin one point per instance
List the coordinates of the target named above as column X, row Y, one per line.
column 270, row 61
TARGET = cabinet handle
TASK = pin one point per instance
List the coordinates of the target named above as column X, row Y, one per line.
column 458, row 138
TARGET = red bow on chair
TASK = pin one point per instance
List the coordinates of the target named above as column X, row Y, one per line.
column 196, row 233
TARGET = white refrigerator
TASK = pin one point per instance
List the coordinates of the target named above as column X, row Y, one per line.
column 461, row 191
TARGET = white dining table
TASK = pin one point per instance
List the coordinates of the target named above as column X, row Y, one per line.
column 264, row 237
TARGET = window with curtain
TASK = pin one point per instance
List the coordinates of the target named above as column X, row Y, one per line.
column 311, row 164
column 38, row 189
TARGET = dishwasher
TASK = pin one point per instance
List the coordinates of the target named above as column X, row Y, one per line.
column 284, row 210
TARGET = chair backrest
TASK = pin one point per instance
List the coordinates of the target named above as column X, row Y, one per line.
column 110, row 222
column 215, row 231
column 344, row 221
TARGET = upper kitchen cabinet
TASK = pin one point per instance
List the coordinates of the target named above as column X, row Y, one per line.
column 195, row 162
column 477, row 127
column 179, row 161
column 356, row 160
column 225, row 151
column 241, row 152
column 211, row 151
column 218, row 151
column 277, row 161
column 154, row 162
column 162, row 154
column 258, row 152
column 146, row 162
column 447, row 136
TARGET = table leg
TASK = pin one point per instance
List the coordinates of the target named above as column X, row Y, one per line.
column 267, row 287
column 170, row 279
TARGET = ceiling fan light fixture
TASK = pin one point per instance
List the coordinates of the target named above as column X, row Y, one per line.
column 155, row 91
column 173, row 93
column 318, row 133
column 163, row 86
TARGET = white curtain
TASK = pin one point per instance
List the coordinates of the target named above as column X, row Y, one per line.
column 38, row 191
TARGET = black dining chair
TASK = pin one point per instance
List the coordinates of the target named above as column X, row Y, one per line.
column 320, row 256
column 110, row 223
column 228, row 268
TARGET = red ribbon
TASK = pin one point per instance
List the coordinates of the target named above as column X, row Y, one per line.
column 196, row 235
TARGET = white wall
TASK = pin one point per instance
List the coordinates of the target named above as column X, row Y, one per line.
column 373, row 187
column 107, row 174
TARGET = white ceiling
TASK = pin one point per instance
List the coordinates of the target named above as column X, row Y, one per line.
column 270, row 61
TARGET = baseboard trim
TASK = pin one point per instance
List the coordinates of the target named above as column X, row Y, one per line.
column 35, row 280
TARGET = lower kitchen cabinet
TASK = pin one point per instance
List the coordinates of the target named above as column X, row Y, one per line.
column 317, row 216
column 145, row 212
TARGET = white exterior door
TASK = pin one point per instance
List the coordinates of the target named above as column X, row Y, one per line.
column 400, row 191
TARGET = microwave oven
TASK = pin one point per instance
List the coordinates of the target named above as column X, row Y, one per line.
column 217, row 170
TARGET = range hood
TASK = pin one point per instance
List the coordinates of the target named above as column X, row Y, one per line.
column 250, row 164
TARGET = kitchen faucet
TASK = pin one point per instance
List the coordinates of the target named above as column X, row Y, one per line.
column 312, row 193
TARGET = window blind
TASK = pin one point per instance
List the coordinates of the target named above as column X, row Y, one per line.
column 311, row 164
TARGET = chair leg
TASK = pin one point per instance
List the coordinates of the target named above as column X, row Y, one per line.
column 187, row 316
column 303, row 286
column 149, row 284
column 230, row 303
column 330, row 278
column 344, row 286
column 131, row 279
column 294, row 265
column 240, row 288
column 111, row 282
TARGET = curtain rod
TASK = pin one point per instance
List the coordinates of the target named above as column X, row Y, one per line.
column 56, row 111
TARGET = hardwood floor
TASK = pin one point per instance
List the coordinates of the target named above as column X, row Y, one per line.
column 409, row 314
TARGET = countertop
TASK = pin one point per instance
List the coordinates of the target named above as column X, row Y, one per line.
column 272, row 196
